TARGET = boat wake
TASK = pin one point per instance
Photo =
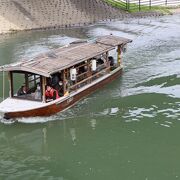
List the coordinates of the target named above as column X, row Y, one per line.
column 5, row 121
column 33, row 120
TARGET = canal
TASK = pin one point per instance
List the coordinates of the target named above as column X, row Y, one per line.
column 128, row 130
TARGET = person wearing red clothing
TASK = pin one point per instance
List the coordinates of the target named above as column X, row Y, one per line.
column 51, row 93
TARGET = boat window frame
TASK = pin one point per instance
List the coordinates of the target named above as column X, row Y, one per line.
column 26, row 83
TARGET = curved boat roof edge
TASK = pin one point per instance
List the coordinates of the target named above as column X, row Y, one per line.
column 64, row 57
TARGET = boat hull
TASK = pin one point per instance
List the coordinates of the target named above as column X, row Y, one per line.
column 62, row 105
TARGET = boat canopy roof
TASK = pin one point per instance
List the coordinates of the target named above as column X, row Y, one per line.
column 67, row 56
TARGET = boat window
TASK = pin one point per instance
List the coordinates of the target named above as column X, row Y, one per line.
column 113, row 55
column 18, row 81
column 81, row 71
column 33, row 80
column 101, row 61
column 26, row 86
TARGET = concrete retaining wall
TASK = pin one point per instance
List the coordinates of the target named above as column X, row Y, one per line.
column 37, row 14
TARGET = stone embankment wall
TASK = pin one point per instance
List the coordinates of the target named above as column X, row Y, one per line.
column 42, row 14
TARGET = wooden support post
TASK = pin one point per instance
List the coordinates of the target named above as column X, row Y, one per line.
column 64, row 82
column 26, row 80
column 107, row 62
column 119, row 55
column 43, row 89
column 89, row 71
column 35, row 81
column 10, row 84
column 3, row 84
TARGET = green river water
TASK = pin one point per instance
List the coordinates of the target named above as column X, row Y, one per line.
column 128, row 130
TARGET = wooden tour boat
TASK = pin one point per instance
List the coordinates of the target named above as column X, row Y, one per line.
column 72, row 72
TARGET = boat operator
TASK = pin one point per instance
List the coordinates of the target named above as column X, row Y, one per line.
column 22, row 91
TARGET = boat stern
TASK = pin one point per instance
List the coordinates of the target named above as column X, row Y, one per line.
column 11, row 106
column 2, row 110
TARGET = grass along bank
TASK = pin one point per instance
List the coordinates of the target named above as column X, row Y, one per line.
column 134, row 7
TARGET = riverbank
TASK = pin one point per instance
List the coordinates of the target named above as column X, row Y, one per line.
column 18, row 15
column 175, row 10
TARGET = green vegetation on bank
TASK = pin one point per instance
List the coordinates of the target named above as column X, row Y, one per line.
column 133, row 7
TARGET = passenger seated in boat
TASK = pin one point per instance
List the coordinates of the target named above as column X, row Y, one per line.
column 100, row 65
column 57, row 84
column 82, row 69
column 51, row 93
column 111, row 60
column 100, row 61
column 22, row 91
column 55, row 80
column 38, row 94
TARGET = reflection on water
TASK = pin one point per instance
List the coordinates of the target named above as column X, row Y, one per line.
column 127, row 130
column 93, row 123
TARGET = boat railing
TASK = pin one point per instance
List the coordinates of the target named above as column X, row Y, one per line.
column 100, row 67
column 81, row 76
column 90, row 79
column 84, row 75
